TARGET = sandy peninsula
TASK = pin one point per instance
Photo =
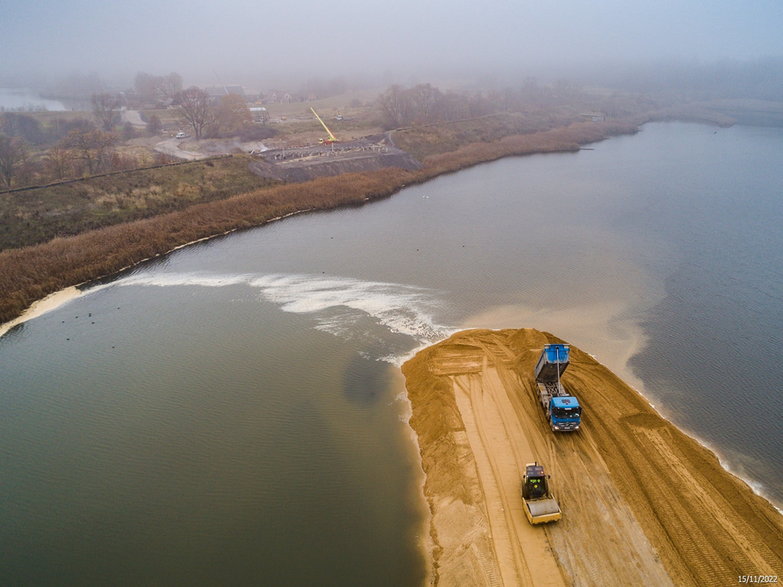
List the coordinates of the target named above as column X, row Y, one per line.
column 643, row 503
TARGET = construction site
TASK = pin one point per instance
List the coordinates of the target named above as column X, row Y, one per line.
column 330, row 156
column 596, row 488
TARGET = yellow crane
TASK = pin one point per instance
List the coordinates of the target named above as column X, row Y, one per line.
column 331, row 138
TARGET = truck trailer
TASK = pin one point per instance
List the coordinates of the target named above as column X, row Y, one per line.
column 562, row 410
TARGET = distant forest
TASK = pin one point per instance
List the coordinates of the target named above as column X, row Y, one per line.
column 760, row 79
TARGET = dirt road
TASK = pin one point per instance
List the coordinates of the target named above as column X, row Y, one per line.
column 133, row 117
column 642, row 503
column 172, row 148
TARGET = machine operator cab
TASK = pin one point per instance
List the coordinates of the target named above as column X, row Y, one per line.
column 534, row 484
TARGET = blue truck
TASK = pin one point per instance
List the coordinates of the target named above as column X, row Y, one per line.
column 562, row 410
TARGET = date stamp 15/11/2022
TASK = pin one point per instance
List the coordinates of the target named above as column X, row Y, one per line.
column 758, row 579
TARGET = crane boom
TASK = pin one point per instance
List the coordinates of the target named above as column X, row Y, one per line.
column 332, row 138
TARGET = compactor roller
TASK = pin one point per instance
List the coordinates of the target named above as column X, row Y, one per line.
column 540, row 505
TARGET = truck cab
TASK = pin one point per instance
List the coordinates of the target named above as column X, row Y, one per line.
column 564, row 413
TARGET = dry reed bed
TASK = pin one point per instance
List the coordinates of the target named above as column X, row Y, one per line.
column 31, row 273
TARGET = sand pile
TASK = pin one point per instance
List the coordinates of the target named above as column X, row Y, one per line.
column 642, row 502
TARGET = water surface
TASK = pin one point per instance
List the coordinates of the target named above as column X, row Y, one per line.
column 21, row 99
column 227, row 414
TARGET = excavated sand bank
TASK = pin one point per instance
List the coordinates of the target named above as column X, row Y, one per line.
column 643, row 503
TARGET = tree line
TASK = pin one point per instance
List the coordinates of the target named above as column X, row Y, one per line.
column 32, row 152
column 426, row 104
column 226, row 116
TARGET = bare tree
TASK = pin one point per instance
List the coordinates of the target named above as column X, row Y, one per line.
column 396, row 106
column 453, row 106
column 144, row 84
column 425, row 101
column 231, row 115
column 157, row 88
column 170, row 85
column 93, row 147
column 154, row 124
column 128, row 132
column 106, row 109
column 13, row 154
column 421, row 104
column 58, row 161
column 25, row 126
column 195, row 107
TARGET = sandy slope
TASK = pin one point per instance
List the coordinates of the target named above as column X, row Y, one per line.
column 642, row 502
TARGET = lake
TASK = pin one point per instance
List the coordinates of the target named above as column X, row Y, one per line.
column 232, row 412
column 21, row 99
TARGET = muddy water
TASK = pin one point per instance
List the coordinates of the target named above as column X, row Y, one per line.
column 227, row 414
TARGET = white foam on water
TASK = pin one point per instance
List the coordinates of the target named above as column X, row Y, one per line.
column 403, row 309
column 341, row 306
column 182, row 279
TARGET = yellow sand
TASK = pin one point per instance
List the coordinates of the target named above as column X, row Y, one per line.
column 643, row 503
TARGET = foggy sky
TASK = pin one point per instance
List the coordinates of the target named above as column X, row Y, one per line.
column 204, row 40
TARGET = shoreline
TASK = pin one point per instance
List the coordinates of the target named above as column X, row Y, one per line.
column 633, row 441
column 601, row 327
column 32, row 273
column 592, row 327
column 424, row 539
column 104, row 259
column 491, row 318
column 63, row 296
column 42, row 306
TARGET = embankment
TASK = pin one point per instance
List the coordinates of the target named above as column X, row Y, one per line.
column 36, row 214
column 31, row 273
column 643, row 503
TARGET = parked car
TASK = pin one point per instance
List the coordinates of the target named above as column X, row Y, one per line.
column 181, row 135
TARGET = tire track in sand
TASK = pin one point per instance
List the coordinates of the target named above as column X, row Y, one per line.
column 642, row 502
column 522, row 552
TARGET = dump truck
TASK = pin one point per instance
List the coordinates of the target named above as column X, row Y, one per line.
column 562, row 410
column 540, row 505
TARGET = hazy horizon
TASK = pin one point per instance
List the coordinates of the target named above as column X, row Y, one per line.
column 237, row 41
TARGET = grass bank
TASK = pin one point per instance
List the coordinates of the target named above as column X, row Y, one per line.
column 31, row 273
column 35, row 215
